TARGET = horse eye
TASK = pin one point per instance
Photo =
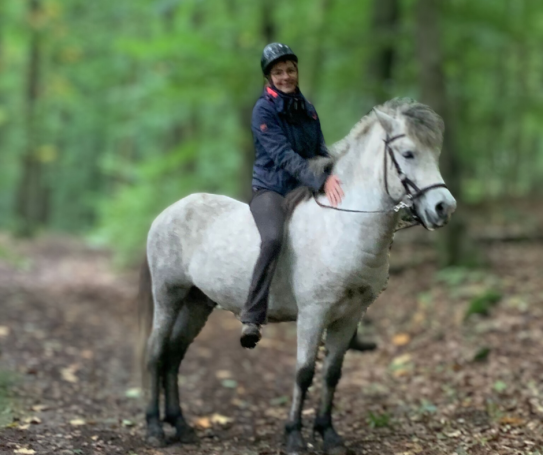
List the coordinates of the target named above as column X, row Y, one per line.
column 409, row 155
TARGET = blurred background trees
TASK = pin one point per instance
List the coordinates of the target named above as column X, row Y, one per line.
column 110, row 111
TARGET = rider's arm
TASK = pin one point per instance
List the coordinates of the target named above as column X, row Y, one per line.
column 269, row 134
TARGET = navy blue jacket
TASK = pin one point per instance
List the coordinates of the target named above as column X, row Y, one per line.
column 286, row 133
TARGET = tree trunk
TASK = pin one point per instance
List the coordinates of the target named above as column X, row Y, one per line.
column 452, row 249
column 2, row 67
column 316, row 69
column 268, row 32
column 29, row 192
column 384, row 28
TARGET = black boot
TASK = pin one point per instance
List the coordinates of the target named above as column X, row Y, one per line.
column 357, row 344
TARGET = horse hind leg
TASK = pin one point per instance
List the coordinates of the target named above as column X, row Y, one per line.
column 192, row 317
column 166, row 307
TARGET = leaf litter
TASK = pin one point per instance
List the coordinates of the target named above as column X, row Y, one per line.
column 438, row 383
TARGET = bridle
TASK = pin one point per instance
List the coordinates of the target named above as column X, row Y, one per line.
column 412, row 191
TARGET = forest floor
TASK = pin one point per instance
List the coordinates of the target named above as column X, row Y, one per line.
column 440, row 382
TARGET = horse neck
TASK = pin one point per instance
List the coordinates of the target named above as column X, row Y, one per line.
column 361, row 172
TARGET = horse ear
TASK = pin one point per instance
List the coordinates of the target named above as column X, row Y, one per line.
column 389, row 123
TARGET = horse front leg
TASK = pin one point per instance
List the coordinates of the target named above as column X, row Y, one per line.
column 309, row 333
column 338, row 338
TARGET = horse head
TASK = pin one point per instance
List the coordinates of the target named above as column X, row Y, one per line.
column 392, row 154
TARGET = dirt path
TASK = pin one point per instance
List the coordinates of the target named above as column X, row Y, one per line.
column 67, row 382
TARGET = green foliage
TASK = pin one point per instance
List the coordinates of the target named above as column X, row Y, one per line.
column 483, row 303
column 455, row 276
column 140, row 103
column 13, row 258
column 427, row 407
column 7, row 380
column 378, row 420
column 482, row 354
column 499, row 386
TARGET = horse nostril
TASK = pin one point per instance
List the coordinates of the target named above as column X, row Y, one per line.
column 440, row 209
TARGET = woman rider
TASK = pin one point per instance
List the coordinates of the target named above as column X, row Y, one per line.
column 286, row 133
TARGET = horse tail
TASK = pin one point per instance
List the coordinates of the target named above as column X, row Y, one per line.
column 145, row 318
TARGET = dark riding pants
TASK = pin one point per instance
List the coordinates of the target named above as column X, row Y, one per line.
column 267, row 209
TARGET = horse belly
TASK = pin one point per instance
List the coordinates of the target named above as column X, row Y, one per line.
column 282, row 304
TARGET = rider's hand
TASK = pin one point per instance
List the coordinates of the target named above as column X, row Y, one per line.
column 333, row 191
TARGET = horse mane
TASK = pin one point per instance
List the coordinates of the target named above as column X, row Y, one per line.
column 422, row 123
column 425, row 125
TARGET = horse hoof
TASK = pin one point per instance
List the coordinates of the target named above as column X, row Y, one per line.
column 186, row 435
column 250, row 335
column 337, row 450
column 333, row 443
column 156, row 441
column 295, row 444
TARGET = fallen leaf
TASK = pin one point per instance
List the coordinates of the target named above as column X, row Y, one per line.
column 229, row 383
column 32, row 419
column 220, row 419
column 134, row 392
column 401, row 360
column 128, row 423
column 500, row 386
column 39, row 408
column 77, row 422
column 223, row 374
column 401, row 339
column 278, row 401
column 24, row 427
column 87, row 354
column 68, row 374
column 25, row 451
column 511, row 420
column 401, row 365
column 4, row 331
column 401, row 372
column 535, row 406
column 203, row 422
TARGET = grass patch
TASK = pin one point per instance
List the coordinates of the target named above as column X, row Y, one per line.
column 483, row 303
column 7, row 380
column 378, row 420
column 13, row 258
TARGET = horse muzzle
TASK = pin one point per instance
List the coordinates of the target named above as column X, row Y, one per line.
column 436, row 212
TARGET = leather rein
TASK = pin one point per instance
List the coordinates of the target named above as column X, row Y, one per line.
column 412, row 191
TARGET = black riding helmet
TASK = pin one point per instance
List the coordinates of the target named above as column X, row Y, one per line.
column 274, row 52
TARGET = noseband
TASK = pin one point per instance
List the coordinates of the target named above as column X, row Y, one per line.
column 412, row 191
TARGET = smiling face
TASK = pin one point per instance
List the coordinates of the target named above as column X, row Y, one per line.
column 284, row 76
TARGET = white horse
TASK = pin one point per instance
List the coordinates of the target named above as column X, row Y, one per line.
column 201, row 252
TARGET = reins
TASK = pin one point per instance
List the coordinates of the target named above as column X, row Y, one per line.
column 407, row 183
